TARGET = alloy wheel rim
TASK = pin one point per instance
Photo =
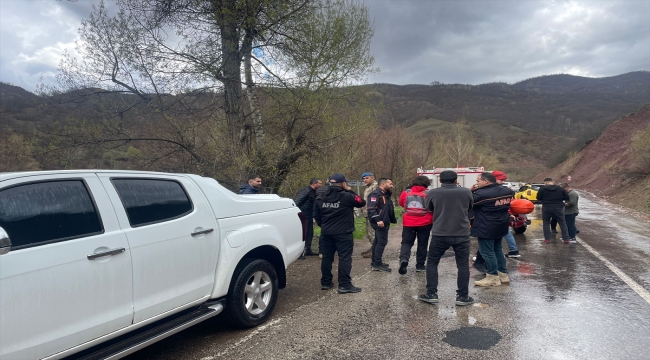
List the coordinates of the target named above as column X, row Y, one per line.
column 257, row 293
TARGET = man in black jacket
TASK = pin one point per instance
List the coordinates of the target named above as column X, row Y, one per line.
column 381, row 214
column 253, row 186
column 334, row 213
column 305, row 202
column 490, row 225
column 552, row 198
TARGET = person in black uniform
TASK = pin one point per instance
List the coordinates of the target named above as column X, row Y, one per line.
column 381, row 214
column 305, row 202
column 334, row 213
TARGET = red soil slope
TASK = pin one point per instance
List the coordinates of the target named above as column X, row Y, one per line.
column 606, row 166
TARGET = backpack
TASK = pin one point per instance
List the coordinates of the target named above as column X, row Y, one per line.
column 414, row 204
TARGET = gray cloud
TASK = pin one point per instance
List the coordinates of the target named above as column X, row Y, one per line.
column 416, row 41
column 483, row 41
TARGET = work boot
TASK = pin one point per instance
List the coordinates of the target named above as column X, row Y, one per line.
column 513, row 254
column 490, row 280
column 381, row 267
column 429, row 298
column 348, row 289
column 327, row 286
column 504, row 278
column 402, row 267
column 367, row 253
column 463, row 301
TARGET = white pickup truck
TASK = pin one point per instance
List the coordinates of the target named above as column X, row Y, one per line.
column 133, row 257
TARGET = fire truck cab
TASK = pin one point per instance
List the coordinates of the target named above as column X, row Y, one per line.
column 466, row 175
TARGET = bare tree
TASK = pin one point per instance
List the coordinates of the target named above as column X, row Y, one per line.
column 236, row 85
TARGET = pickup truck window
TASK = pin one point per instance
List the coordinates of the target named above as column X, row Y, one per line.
column 46, row 212
column 149, row 201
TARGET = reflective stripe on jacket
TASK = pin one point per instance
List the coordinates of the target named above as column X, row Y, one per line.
column 414, row 217
column 491, row 205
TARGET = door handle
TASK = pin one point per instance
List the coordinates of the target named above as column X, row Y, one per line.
column 202, row 232
column 106, row 253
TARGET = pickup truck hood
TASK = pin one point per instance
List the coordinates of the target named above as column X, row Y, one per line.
column 239, row 205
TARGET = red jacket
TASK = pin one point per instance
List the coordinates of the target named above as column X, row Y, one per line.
column 415, row 218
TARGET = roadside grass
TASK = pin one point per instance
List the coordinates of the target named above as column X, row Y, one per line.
column 360, row 225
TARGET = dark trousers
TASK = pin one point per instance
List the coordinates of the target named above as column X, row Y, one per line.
column 553, row 212
column 409, row 233
column 440, row 244
column 479, row 257
column 571, row 224
column 309, row 236
column 343, row 244
column 378, row 246
column 492, row 251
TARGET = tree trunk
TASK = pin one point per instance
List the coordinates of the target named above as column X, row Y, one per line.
column 225, row 12
column 258, row 126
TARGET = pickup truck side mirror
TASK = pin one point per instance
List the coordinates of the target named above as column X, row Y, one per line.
column 5, row 243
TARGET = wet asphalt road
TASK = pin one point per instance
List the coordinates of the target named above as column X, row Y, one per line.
column 585, row 301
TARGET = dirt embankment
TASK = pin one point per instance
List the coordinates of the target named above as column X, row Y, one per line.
column 607, row 166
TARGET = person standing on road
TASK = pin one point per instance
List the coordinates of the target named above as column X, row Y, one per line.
column 381, row 214
column 305, row 202
column 571, row 211
column 334, row 213
column 371, row 185
column 320, row 193
column 490, row 225
column 450, row 206
column 253, row 186
column 513, row 250
column 417, row 223
column 552, row 198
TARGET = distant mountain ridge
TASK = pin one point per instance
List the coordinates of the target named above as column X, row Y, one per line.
column 638, row 81
column 533, row 122
column 552, row 98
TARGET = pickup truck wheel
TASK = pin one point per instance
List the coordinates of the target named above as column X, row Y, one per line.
column 253, row 294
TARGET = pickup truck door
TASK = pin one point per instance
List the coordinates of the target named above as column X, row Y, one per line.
column 173, row 239
column 67, row 278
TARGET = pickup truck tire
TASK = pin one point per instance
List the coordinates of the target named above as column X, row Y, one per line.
column 253, row 293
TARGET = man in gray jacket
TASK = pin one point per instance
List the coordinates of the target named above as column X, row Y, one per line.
column 450, row 206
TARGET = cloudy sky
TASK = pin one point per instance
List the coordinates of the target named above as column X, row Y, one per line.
column 415, row 42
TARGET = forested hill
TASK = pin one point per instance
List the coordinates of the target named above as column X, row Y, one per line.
column 553, row 104
column 530, row 125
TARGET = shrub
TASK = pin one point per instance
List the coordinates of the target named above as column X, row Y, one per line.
column 641, row 150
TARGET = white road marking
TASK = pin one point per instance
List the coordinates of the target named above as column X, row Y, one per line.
column 631, row 283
